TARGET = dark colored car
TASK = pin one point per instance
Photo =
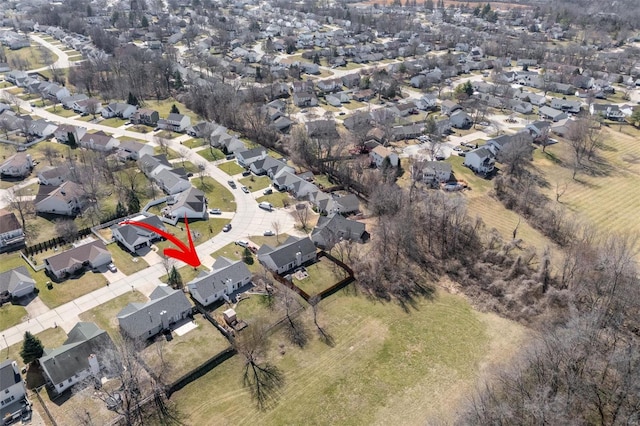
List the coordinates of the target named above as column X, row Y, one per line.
column 226, row 228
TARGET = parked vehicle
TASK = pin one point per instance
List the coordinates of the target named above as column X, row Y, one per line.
column 112, row 267
column 215, row 211
column 226, row 228
column 268, row 233
column 246, row 173
column 242, row 243
column 232, row 184
column 266, row 206
column 245, row 189
column 267, row 191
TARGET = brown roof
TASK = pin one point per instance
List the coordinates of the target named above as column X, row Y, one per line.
column 8, row 221
column 80, row 254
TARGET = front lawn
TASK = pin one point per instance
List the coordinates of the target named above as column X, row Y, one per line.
column 193, row 143
column 218, row 196
column 11, row 315
column 278, row 199
column 62, row 112
column 104, row 315
column 272, row 241
column 235, row 252
column 171, row 154
column 140, row 128
column 126, row 262
column 201, row 231
column 255, row 183
column 231, row 168
column 211, row 154
column 187, row 273
column 113, row 122
column 166, row 134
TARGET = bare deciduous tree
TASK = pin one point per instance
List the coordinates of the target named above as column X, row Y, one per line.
column 301, row 213
column 66, row 229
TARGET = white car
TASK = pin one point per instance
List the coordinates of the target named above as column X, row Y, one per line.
column 268, row 233
column 215, row 211
column 112, row 267
column 243, row 243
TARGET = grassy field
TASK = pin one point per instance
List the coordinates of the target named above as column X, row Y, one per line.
column 164, row 107
column 31, row 56
column 211, row 154
column 126, row 262
column 105, row 315
column 255, row 183
column 218, row 196
column 186, row 352
column 386, row 364
column 11, row 315
column 231, row 168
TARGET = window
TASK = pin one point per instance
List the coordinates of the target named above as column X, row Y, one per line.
column 60, row 385
column 69, row 381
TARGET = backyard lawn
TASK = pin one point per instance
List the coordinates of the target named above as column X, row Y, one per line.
column 255, row 183
column 211, row 154
column 11, row 315
column 385, row 363
column 231, row 168
column 321, row 275
column 105, row 315
column 184, row 353
column 126, row 262
column 218, row 196
column 164, row 107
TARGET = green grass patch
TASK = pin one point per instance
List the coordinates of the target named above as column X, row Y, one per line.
column 170, row 153
column 193, row 143
column 113, row 122
column 322, row 181
column 255, row 183
column 164, row 108
column 278, row 199
column 203, row 229
column 218, row 196
column 126, row 262
column 32, row 56
column 272, row 241
column 140, row 128
column 186, row 352
column 62, row 112
column 235, row 252
column 86, row 118
column 211, row 154
column 322, row 275
column 384, row 364
column 104, row 315
column 231, row 168
column 5, row 84
column 166, row 134
column 11, row 315
column 187, row 273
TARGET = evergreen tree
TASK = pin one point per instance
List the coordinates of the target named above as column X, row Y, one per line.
column 316, row 59
column 32, row 348
column 175, row 279
column 174, row 109
column 72, row 140
column 120, row 209
column 258, row 73
column 132, row 99
column 247, row 256
column 177, row 80
column 144, row 22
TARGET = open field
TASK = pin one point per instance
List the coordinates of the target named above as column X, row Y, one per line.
column 105, row 315
column 31, row 56
column 11, row 315
column 386, row 364
column 184, row 353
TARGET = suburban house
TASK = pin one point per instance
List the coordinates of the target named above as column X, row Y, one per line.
column 42, row 128
column 226, row 277
column 436, row 171
column 151, row 165
column 561, row 127
column 427, row 102
column 175, row 122
column 54, row 176
column 539, row 129
column 99, row 141
column 118, row 109
column 191, row 203
column 144, row 320
column 172, row 182
column 552, row 113
column 245, row 158
column 145, row 116
column 93, row 255
column 270, row 166
column 460, row 120
column 67, row 199
column 132, row 150
column 229, row 144
column 480, row 160
column 335, row 228
column 380, row 153
column 201, row 129
column 87, row 106
column 88, row 352
column 565, row 105
column 610, row 112
column 15, row 283
column 305, row 99
column 11, row 232
column 62, row 133
column 330, row 203
column 292, row 253
column 13, row 392
column 67, row 103
column 18, row 165
column 135, row 237
column 449, row 107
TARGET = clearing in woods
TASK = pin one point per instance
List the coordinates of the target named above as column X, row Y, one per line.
column 386, row 363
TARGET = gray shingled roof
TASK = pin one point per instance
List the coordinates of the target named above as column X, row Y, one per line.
column 214, row 282
column 8, row 376
column 137, row 319
column 10, row 279
column 8, row 221
column 330, row 229
column 84, row 339
column 80, row 254
column 286, row 253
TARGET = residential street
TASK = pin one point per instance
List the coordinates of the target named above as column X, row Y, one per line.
column 63, row 58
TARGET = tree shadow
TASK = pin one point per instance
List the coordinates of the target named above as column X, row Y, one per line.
column 265, row 382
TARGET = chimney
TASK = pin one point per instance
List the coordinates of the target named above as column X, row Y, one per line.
column 94, row 366
column 164, row 320
column 298, row 258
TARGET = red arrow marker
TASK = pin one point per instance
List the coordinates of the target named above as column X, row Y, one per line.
column 186, row 254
